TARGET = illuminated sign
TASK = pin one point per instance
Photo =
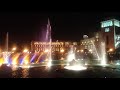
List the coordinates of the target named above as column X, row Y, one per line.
column 107, row 23
column 110, row 23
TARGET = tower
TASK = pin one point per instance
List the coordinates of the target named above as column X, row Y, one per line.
column 110, row 33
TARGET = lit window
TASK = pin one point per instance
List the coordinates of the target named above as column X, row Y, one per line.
column 107, row 29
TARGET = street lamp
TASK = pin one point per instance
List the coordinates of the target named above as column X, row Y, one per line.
column 110, row 49
column 13, row 49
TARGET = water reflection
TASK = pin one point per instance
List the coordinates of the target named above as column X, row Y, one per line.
column 58, row 71
column 17, row 72
column 25, row 73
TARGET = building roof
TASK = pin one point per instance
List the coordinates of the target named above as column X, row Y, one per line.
column 109, row 20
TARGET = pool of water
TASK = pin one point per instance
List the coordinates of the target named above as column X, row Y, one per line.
column 58, row 71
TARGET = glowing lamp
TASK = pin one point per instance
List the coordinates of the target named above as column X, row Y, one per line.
column 62, row 50
column 13, row 49
column 81, row 50
column 110, row 49
column 25, row 50
column 46, row 50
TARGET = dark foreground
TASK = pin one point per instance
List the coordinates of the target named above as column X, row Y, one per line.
column 60, row 72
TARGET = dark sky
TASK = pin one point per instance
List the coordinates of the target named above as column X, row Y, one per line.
column 24, row 27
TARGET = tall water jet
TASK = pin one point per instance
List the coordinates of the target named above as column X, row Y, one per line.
column 98, row 56
column 7, row 42
column 71, row 55
column 49, row 39
column 103, row 54
column 6, row 54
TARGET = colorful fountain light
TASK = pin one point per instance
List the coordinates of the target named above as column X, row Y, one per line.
column 6, row 54
column 15, row 58
column 49, row 39
column 39, row 57
column 33, row 57
column 25, row 59
column 25, row 63
column 1, row 61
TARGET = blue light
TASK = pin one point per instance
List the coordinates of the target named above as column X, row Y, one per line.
column 33, row 57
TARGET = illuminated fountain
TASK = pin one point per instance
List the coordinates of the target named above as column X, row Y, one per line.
column 49, row 39
column 1, row 61
column 15, row 59
column 6, row 54
column 27, row 62
column 72, row 63
column 33, row 57
column 96, row 51
column 103, row 54
column 26, row 59
column 71, row 55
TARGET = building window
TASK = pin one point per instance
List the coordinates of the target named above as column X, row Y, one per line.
column 97, row 39
column 107, row 29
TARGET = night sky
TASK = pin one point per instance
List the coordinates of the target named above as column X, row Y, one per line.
column 25, row 27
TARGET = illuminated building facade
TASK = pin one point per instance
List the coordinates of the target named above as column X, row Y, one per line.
column 91, row 44
column 55, row 46
column 111, row 33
